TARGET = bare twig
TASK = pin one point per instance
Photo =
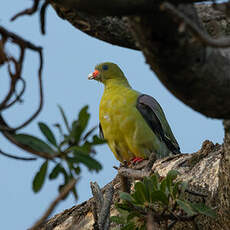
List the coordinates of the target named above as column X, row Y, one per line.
column 151, row 161
column 170, row 226
column 9, row 94
column 98, row 197
column 23, row 44
column 60, row 197
column 19, row 40
column 151, row 224
column 9, row 134
column 104, row 216
column 132, row 173
column 43, row 15
column 103, row 204
column 40, row 92
column 195, row 193
column 16, row 157
column 28, row 11
column 18, row 96
column 198, row 33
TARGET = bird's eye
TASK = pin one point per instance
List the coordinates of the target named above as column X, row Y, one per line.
column 105, row 67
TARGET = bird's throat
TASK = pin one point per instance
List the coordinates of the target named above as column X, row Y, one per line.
column 113, row 83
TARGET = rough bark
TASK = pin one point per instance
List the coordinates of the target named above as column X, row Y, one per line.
column 203, row 170
column 196, row 74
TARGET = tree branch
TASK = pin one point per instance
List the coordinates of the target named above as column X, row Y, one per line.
column 50, row 209
column 16, row 157
column 200, row 170
column 182, row 64
column 115, row 7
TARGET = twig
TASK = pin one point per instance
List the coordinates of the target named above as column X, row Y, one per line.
column 40, row 92
column 28, row 11
column 98, row 197
column 43, row 16
column 151, row 161
column 151, row 224
column 16, row 157
column 103, row 204
column 8, row 134
column 9, row 94
column 60, row 197
column 18, row 96
column 170, row 226
column 22, row 43
column 195, row 193
column 104, row 215
column 19, row 40
column 199, row 34
column 132, row 173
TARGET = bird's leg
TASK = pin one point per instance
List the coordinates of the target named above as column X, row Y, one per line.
column 136, row 160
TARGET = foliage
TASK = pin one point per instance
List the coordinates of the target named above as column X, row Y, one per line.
column 76, row 148
column 163, row 198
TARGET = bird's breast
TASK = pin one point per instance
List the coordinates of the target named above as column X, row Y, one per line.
column 115, row 112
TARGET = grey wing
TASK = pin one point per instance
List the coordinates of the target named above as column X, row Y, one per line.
column 101, row 134
column 155, row 118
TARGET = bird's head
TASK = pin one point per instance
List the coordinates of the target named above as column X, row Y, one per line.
column 107, row 71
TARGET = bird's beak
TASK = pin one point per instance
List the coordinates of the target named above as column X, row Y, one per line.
column 93, row 75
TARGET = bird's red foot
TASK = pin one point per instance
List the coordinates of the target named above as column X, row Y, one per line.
column 136, row 160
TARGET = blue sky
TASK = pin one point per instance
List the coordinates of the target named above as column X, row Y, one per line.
column 69, row 56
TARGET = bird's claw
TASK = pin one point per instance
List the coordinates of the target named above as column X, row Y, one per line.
column 136, row 160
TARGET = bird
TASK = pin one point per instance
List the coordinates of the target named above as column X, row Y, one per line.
column 133, row 124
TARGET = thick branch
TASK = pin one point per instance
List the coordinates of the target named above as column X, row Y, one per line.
column 115, row 7
column 197, row 75
column 201, row 170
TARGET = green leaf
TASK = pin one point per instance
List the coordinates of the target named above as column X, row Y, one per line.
column 123, row 206
column 83, row 117
column 186, row 207
column 47, row 133
column 164, row 187
column 129, row 226
column 159, row 196
column 155, row 180
column 87, row 160
column 97, row 140
column 55, row 172
column 117, row 219
column 143, row 227
column 34, row 143
column 77, row 170
column 133, row 215
column 175, row 190
column 140, row 192
column 183, row 186
column 149, row 188
column 39, row 178
column 126, row 196
column 172, row 175
column 76, row 132
column 203, row 209
column 64, row 118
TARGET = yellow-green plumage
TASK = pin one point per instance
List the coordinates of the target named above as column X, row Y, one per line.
column 124, row 127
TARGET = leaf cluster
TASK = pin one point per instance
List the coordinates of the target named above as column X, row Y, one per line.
column 162, row 198
column 74, row 148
